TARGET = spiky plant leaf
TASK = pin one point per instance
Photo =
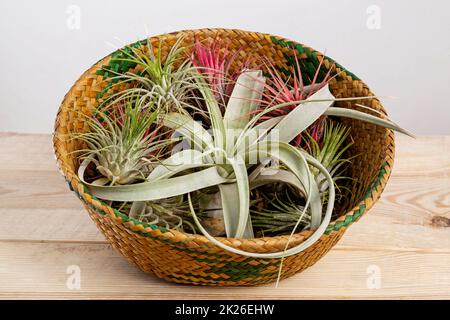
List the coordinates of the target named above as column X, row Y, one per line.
column 119, row 140
column 295, row 162
column 358, row 115
column 329, row 151
column 169, row 80
column 215, row 61
column 178, row 162
column 300, row 118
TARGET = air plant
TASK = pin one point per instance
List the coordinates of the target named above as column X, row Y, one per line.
column 277, row 212
column 170, row 213
column 234, row 156
column 330, row 151
column 214, row 61
column 279, row 90
column 121, row 141
column 169, row 80
column 248, row 141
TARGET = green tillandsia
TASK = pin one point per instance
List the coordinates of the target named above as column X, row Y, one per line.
column 278, row 211
column 169, row 80
column 227, row 160
column 120, row 142
column 169, row 213
column 123, row 144
column 330, row 151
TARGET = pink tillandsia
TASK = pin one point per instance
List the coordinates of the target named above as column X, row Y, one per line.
column 280, row 91
column 215, row 61
column 139, row 120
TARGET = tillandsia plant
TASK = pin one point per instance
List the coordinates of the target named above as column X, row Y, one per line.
column 330, row 151
column 215, row 62
column 170, row 213
column 121, row 141
column 279, row 90
column 169, row 80
column 124, row 144
column 243, row 150
column 277, row 210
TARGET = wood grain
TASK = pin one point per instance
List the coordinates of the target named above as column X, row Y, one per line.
column 44, row 230
column 38, row 270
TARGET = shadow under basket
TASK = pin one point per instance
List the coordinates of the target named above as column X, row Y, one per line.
column 192, row 259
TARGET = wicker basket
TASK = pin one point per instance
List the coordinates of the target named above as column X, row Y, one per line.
column 192, row 259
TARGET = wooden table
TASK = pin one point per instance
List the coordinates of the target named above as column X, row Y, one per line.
column 400, row 249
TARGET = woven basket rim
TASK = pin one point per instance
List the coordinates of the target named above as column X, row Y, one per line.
column 144, row 229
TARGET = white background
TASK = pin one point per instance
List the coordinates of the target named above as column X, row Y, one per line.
column 406, row 61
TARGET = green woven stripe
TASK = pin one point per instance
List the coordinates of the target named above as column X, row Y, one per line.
column 308, row 68
column 312, row 63
column 116, row 65
column 214, row 279
column 237, row 269
column 362, row 208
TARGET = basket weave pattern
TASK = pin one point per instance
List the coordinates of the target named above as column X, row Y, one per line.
column 192, row 259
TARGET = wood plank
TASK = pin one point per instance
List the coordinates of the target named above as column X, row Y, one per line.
column 62, row 225
column 28, row 189
column 26, row 152
column 38, row 270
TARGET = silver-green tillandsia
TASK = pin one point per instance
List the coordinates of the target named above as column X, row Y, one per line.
column 158, row 78
column 235, row 155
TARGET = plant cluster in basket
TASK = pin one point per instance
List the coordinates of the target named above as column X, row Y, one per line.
column 200, row 142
